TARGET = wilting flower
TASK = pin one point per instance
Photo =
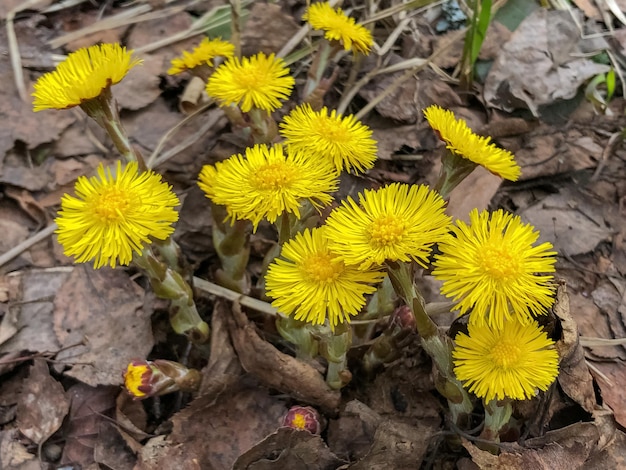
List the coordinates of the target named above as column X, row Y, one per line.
column 337, row 26
column 460, row 139
column 82, row 76
column 265, row 182
column 303, row 418
column 114, row 214
column 312, row 283
column 344, row 141
column 144, row 379
column 492, row 267
column 252, row 82
column 202, row 54
column 511, row 361
column 399, row 222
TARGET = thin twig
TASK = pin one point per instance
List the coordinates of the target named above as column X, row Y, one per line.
column 26, row 244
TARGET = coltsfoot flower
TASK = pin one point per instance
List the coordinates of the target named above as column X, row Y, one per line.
column 460, row 139
column 114, row 214
column 511, row 361
column 259, row 81
column 303, row 418
column 337, row 26
column 144, row 379
column 202, row 54
column 265, row 182
column 82, row 76
column 493, row 267
column 344, row 141
column 399, row 222
column 312, row 283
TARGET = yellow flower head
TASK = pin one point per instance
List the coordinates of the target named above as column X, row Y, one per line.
column 511, row 361
column 461, row 140
column 266, row 182
column 399, row 222
column 202, row 54
column 312, row 283
column 344, row 141
column 492, row 266
column 82, row 76
column 138, row 378
column 113, row 215
column 339, row 27
column 258, row 81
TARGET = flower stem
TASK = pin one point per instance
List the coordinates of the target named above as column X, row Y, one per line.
column 437, row 345
column 169, row 284
column 454, row 169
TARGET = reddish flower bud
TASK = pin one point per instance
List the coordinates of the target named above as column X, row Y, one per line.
column 144, row 379
column 402, row 319
column 303, row 418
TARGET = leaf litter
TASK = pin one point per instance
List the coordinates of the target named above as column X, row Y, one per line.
column 71, row 407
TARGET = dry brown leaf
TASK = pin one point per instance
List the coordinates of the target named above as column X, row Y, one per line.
column 278, row 370
column 216, row 429
column 14, row 455
column 537, row 66
column 33, row 318
column 574, row 377
column 569, row 221
column 267, row 30
column 141, row 86
column 42, row 405
column 288, row 448
column 474, row 192
column 88, row 410
column 105, row 308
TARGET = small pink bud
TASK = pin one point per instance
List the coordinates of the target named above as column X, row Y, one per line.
column 144, row 379
column 303, row 418
column 402, row 319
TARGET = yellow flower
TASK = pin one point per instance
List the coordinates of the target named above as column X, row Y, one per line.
column 344, row 141
column 339, row 27
column 511, row 361
column 258, row 81
column 461, row 140
column 138, row 378
column 115, row 214
column 266, row 182
column 492, row 266
column 202, row 54
column 312, row 283
column 399, row 222
column 82, row 76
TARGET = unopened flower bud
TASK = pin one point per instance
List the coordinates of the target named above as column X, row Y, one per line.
column 402, row 319
column 144, row 379
column 303, row 418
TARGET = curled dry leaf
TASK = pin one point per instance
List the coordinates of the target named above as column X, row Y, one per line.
column 574, row 377
column 278, row 370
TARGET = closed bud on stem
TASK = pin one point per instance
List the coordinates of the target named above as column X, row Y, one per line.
column 144, row 379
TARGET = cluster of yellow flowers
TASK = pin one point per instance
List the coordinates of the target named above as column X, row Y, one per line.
column 492, row 267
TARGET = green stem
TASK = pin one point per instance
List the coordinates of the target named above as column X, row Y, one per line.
column 169, row 284
column 437, row 345
column 454, row 169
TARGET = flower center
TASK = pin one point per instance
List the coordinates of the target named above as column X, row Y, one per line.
column 330, row 130
column 112, row 204
column 251, row 78
column 273, row 176
column 386, row 230
column 299, row 421
column 505, row 354
column 499, row 262
column 322, row 268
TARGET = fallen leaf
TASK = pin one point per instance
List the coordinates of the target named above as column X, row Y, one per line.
column 568, row 221
column 574, row 377
column 278, row 370
column 214, row 430
column 42, row 405
column 33, row 318
column 89, row 408
column 288, row 448
column 474, row 192
column 105, row 308
column 14, row 455
column 537, row 66
column 141, row 86
column 267, row 29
